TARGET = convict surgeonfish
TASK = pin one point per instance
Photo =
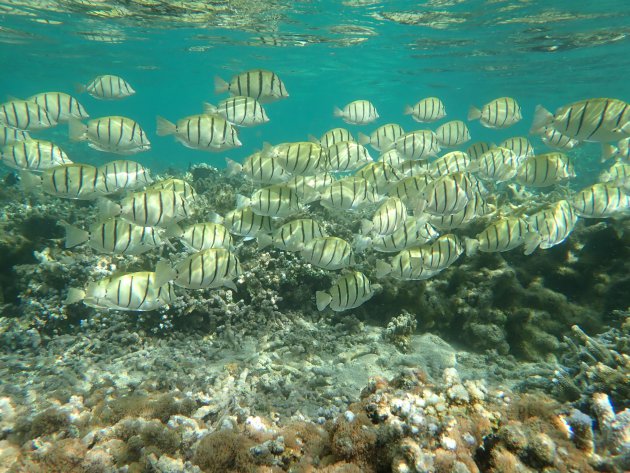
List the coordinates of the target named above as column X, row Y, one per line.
column 211, row 268
column 618, row 175
column 119, row 135
column 554, row 139
column 452, row 134
column 411, row 190
column 24, row 115
column 309, row 188
column 60, row 106
column 201, row 236
column 442, row 253
column 412, row 232
column 33, row 155
column 601, row 200
column 388, row 217
column 619, row 151
column 11, row 135
column 497, row 164
column 107, row 87
column 521, row 146
column 447, row 194
column 476, row 207
column 247, row 224
column 407, row 265
column 335, row 135
column 348, row 193
column 600, row 119
column 68, row 181
column 149, row 208
column 259, row 168
column 359, row 112
column 545, row 170
column 392, row 158
column 349, row 291
column 550, row 227
column 239, row 111
column 115, row 236
column 504, row 234
column 499, row 113
column 264, row 86
column 380, row 176
column 329, row 253
column 203, row 132
column 131, row 291
column 182, row 187
column 382, row 138
column 293, row 235
column 419, row 144
column 277, row 200
column 427, row 110
column 347, row 156
column 125, row 175
column 300, row 158
column 478, row 148
column 455, row 161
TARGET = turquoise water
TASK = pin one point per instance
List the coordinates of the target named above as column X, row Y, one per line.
column 327, row 53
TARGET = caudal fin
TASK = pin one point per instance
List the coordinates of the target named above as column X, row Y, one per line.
column 608, row 151
column 233, row 168
column 209, row 109
column 363, row 139
column 471, row 245
column 74, row 295
column 164, row 127
column 337, row 112
column 220, row 85
column 408, row 110
column 473, row 113
column 322, row 299
column 532, row 241
column 164, row 273
column 382, row 269
column 77, row 131
column 108, row 208
column 542, row 118
column 75, row 235
column 29, row 181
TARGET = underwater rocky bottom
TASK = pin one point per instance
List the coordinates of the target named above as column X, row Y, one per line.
column 503, row 363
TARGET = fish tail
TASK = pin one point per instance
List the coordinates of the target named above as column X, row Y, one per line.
column 77, row 130
column 337, row 112
column 233, row 168
column 74, row 295
column 242, row 201
column 29, row 181
column 173, row 231
column 542, row 118
column 264, row 240
column 220, row 85
column 532, row 240
column 473, row 113
column 382, row 269
column 408, row 110
column 322, row 299
column 164, row 273
column 75, row 235
column 164, row 127
column 364, row 139
column 209, row 109
column 472, row 246
column 107, row 208
column 608, row 151
column 79, row 88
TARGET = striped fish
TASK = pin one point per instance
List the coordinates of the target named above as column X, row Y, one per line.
column 411, row 190
column 347, row 156
column 447, row 194
column 68, row 181
column 201, row 236
column 420, row 144
column 550, row 227
column 107, row 87
column 411, row 233
column 545, row 170
column 60, row 106
column 149, row 208
column 388, row 217
column 380, row 176
column 359, row 112
column 203, row 132
column 600, row 119
column 618, row 175
column 349, row 291
column 124, row 175
column 601, row 200
column 413, row 168
column 303, row 158
column 264, row 86
column 407, row 265
column 277, row 200
column 131, row 291
column 521, row 146
column 11, row 135
column 392, row 158
column 239, row 111
column 335, row 135
column 24, row 115
column 453, row 133
column 114, row 236
column 502, row 235
column 211, row 268
column 478, row 148
column 427, row 110
column 619, row 151
column 259, row 168
column 33, row 155
column 119, row 135
column 245, row 223
column 308, row 188
column 348, row 193
column 499, row 113
column 554, row 139
column 329, row 253
column 442, row 253
column 293, row 235
column 498, row 164
column 455, row 161
column 382, row 138
column 476, row 207
column 180, row 186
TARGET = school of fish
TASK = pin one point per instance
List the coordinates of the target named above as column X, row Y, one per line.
column 416, row 200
